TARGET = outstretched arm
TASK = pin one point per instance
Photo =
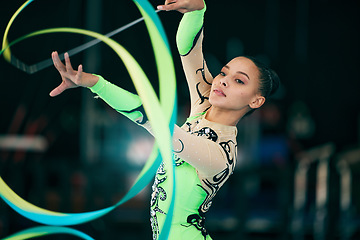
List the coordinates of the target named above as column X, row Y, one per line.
column 209, row 159
column 125, row 102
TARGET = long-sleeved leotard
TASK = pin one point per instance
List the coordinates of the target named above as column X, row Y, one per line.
column 204, row 151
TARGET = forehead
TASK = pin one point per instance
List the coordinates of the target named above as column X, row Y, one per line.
column 245, row 65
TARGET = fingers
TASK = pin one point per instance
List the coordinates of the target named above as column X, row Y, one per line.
column 182, row 6
column 79, row 73
column 57, row 62
column 58, row 90
column 169, row 6
column 170, row 1
column 80, row 69
column 66, row 71
column 68, row 63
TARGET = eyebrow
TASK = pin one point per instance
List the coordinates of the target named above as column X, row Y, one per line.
column 226, row 66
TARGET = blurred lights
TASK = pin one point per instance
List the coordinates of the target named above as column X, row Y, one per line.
column 139, row 151
column 23, row 142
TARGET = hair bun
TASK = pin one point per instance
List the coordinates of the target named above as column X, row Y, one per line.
column 275, row 81
column 269, row 80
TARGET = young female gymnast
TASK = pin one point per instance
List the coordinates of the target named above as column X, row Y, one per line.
column 205, row 146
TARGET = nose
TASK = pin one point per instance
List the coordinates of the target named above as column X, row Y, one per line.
column 224, row 82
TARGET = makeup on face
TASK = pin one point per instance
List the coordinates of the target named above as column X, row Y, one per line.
column 239, row 76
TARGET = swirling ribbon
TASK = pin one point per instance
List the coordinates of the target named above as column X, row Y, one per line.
column 160, row 113
column 46, row 230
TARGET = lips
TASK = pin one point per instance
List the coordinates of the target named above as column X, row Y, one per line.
column 219, row 92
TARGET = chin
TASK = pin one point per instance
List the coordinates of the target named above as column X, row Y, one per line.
column 216, row 101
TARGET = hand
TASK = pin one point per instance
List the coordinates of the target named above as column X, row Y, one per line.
column 182, row 6
column 70, row 77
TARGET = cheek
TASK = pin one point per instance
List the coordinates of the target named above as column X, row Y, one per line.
column 246, row 91
column 242, row 93
column 244, row 96
column 215, row 81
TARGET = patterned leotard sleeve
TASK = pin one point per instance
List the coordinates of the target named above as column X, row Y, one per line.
column 189, row 39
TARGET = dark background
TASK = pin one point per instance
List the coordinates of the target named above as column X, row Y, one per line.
column 312, row 45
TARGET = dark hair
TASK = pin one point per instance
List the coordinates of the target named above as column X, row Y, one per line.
column 269, row 81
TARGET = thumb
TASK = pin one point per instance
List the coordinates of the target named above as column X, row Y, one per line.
column 58, row 90
column 169, row 7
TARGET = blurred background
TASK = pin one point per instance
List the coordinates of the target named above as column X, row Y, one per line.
column 298, row 156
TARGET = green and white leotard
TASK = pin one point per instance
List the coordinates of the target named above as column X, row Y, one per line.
column 204, row 151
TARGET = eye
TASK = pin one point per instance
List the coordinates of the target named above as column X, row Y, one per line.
column 239, row 81
column 222, row 74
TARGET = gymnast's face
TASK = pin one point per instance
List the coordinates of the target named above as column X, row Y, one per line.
column 236, row 88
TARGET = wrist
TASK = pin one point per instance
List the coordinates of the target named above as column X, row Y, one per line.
column 93, row 79
column 99, row 84
column 200, row 10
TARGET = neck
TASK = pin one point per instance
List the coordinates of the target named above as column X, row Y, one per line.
column 225, row 116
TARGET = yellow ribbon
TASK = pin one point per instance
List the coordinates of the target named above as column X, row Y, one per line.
column 160, row 114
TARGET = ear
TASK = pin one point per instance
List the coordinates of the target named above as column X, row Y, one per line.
column 257, row 102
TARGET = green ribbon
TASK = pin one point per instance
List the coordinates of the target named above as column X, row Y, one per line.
column 46, row 230
column 160, row 114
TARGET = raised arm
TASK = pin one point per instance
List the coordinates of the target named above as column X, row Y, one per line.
column 189, row 40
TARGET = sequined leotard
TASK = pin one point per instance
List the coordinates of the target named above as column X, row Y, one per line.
column 204, row 151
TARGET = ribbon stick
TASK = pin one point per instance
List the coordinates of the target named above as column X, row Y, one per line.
column 34, row 68
column 160, row 113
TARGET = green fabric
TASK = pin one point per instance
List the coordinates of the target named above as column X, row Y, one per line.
column 189, row 28
column 195, row 116
column 189, row 196
column 186, row 202
column 121, row 100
